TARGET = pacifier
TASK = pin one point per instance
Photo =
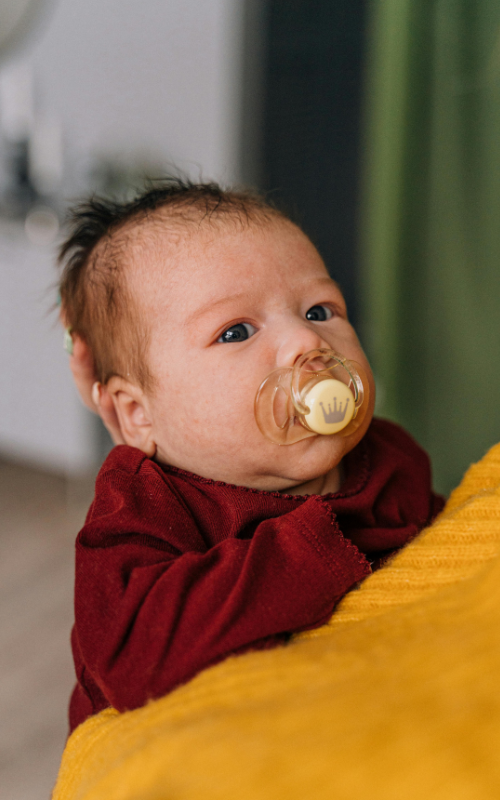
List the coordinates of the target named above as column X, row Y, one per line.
column 322, row 394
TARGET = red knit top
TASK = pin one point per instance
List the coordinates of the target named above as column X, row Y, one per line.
column 174, row 571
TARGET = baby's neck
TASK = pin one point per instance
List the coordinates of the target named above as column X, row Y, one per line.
column 324, row 484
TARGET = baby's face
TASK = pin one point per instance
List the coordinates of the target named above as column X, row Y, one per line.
column 224, row 308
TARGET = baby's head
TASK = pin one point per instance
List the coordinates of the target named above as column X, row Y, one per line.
column 187, row 298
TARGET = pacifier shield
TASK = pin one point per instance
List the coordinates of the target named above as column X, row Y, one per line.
column 331, row 406
column 322, row 394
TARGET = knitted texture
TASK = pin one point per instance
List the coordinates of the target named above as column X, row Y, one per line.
column 466, row 534
column 396, row 697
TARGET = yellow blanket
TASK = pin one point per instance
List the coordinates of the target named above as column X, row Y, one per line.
column 396, row 698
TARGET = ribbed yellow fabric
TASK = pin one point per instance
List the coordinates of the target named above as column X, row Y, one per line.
column 397, row 700
column 449, row 551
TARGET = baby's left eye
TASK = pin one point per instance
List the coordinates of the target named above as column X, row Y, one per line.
column 319, row 313
column 238, row 333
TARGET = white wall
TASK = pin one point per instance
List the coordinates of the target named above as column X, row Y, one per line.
column 41, row 418
column 159, row 77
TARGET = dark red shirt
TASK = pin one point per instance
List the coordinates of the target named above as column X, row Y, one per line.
column 174, row 571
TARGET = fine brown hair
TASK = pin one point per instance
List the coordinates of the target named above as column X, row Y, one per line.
column 96, row 303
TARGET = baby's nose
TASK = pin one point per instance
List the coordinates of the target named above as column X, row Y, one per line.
column 301, row 339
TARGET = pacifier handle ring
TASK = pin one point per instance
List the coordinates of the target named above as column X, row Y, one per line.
column 285, row 423
column 281, row 432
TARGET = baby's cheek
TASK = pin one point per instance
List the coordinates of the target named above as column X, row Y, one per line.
column 209, row 409
column 228, row 425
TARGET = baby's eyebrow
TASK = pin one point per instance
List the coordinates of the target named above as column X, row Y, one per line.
column 214, row 304
column 328, row 280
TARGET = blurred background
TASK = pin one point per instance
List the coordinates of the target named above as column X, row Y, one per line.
column 375, row 123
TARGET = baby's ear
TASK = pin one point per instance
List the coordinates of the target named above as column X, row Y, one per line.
column 132, row 410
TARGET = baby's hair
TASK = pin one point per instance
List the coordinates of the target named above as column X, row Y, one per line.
column 96, row 302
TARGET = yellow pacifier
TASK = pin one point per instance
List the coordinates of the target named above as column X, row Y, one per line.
column 323, row 393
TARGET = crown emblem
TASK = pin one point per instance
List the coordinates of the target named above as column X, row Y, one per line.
column 337, row 414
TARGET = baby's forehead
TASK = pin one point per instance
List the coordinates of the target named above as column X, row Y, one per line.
column 173, row 268
column 171, row 247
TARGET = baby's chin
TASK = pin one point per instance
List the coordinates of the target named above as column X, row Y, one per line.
column 260, row 464
column 301, row 463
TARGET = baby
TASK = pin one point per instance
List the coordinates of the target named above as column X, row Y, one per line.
column 205, row 536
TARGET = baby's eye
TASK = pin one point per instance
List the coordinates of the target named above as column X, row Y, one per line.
column 319, row 313
column 238, row 333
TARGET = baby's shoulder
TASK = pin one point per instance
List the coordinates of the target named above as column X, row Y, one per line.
column 131, row 466
column 391, row 448
column 135, row 497
column 128, row 479
column 392, row 435
column 125, row 459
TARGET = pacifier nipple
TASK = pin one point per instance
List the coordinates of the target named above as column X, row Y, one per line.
column 322, row 394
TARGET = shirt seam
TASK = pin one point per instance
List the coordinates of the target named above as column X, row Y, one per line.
column 349, row 547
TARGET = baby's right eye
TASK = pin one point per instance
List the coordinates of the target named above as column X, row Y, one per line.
column 238, row 333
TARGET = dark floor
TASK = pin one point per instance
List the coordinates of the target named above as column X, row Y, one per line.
column 40, row 516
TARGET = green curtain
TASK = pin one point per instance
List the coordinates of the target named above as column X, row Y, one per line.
column 431, row 224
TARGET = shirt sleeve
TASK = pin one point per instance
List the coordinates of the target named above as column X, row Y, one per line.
column 152, row 609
